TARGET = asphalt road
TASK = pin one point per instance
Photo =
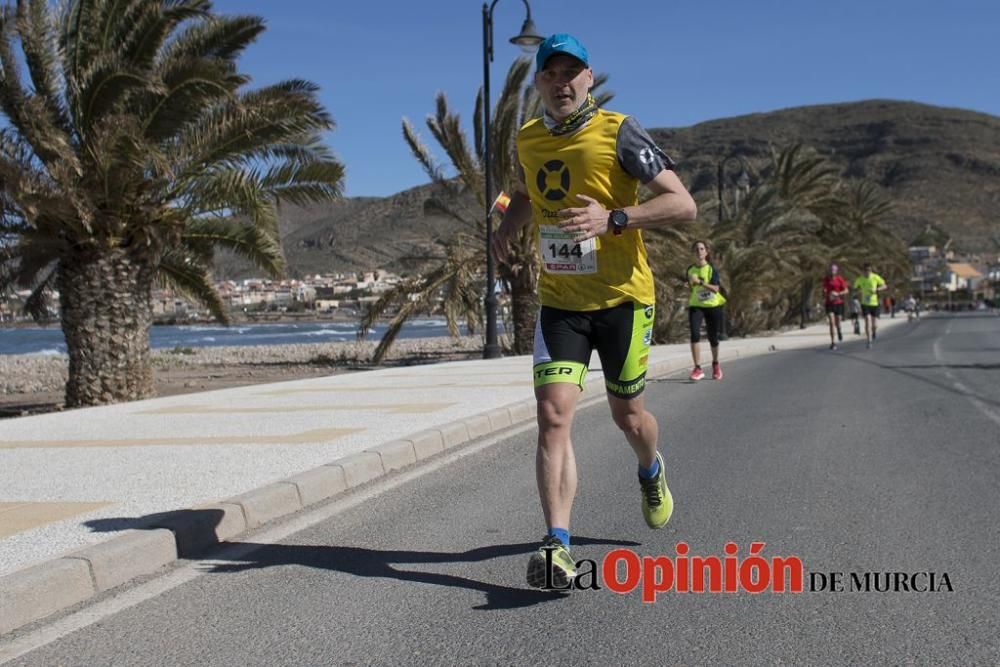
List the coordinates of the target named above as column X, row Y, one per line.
column 854, row 461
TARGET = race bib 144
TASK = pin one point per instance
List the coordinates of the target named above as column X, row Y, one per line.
column 561, row 254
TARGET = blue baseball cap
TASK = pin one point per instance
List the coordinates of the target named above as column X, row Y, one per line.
column 561, row 42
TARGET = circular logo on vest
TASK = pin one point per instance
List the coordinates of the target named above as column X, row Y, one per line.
column 553, row 180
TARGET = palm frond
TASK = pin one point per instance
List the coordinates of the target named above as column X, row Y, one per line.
column 37, row 305
column 304, row 181
column 445, row 126
column 179, row 270
column 139, row 35
column 257, row 245
column 243, row 130
column 40, row 43
column 217, row 37
column 422, row 154
column 189, row 88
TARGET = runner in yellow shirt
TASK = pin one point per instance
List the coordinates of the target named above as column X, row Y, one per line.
column 580, row 170
column 706, row 304
column 869, row 285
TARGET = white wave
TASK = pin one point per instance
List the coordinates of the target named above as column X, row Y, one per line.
column 327, row 333
column 199, row 328
column 49, row 352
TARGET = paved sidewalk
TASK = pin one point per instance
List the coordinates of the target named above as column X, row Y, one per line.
column 192, row 470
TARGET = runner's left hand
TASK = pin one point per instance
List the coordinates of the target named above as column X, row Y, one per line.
column 585, row 222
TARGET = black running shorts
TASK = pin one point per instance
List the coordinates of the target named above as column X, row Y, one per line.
column 564, row 340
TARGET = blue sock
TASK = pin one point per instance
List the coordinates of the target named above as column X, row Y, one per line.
column 650, row 472
column 561, row 533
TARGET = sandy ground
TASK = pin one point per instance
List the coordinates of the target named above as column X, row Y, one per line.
column 172, row 381
column 33, row 384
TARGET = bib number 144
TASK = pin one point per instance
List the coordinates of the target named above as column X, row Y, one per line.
column 561, row 254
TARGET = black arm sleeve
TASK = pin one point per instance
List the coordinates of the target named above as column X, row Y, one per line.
column 638, row 154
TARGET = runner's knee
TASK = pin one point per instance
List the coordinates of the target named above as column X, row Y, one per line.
column 554, row 415
column 630, row 422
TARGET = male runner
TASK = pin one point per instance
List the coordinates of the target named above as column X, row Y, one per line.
column 870, row 285
column 581, row 167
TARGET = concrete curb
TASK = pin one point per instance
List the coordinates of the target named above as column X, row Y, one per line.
column 38, row 591
column 33, row 593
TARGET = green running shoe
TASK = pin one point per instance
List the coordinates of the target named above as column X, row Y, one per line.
column 657, row 503
column 562, row 568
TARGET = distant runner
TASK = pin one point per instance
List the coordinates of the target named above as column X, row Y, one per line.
column 834, row 289
column 705, row 303
column 870, row 285
column 856, row 315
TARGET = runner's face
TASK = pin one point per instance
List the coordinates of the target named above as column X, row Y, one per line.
column 563, row 85
column 701, row 251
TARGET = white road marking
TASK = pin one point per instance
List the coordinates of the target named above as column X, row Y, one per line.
column 989, row 412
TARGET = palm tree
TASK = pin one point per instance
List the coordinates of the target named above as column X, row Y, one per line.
column 459, row 267
column 135, row 151
column 800, row 215
column 761, row 253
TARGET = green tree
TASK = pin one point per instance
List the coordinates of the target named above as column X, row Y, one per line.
column 800, row 215
column 761, row 253
column 858, row 234
column 135, row 151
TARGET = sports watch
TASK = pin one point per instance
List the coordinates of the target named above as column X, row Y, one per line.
column 619, row 220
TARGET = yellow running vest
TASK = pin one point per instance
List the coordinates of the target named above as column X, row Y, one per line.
column 602, row 272
column 700, row 296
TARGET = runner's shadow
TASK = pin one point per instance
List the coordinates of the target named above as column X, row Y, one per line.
column 386, row 564
column 195, row 533
column 194, row 530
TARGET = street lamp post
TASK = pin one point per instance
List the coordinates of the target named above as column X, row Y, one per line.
column 742, row 187
column 528, row 39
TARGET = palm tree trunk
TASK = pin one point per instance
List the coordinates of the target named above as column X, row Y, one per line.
column 524, row 310
column 522, row 275
column 804, row 305
column 105, row 297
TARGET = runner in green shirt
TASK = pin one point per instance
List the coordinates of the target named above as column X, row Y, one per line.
column 706, row 304
column 869, row 285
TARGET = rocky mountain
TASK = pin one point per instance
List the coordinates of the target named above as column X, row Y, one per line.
column 941, row 167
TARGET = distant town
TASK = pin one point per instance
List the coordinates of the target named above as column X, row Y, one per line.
column 943, row 279
column 940, row 278
column 330, row 294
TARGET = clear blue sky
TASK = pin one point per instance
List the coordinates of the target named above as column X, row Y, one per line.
column 672, row 63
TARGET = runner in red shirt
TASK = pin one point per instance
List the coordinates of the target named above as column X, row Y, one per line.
column 834, row 289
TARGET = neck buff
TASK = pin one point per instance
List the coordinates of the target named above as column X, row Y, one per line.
column 574, row 121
